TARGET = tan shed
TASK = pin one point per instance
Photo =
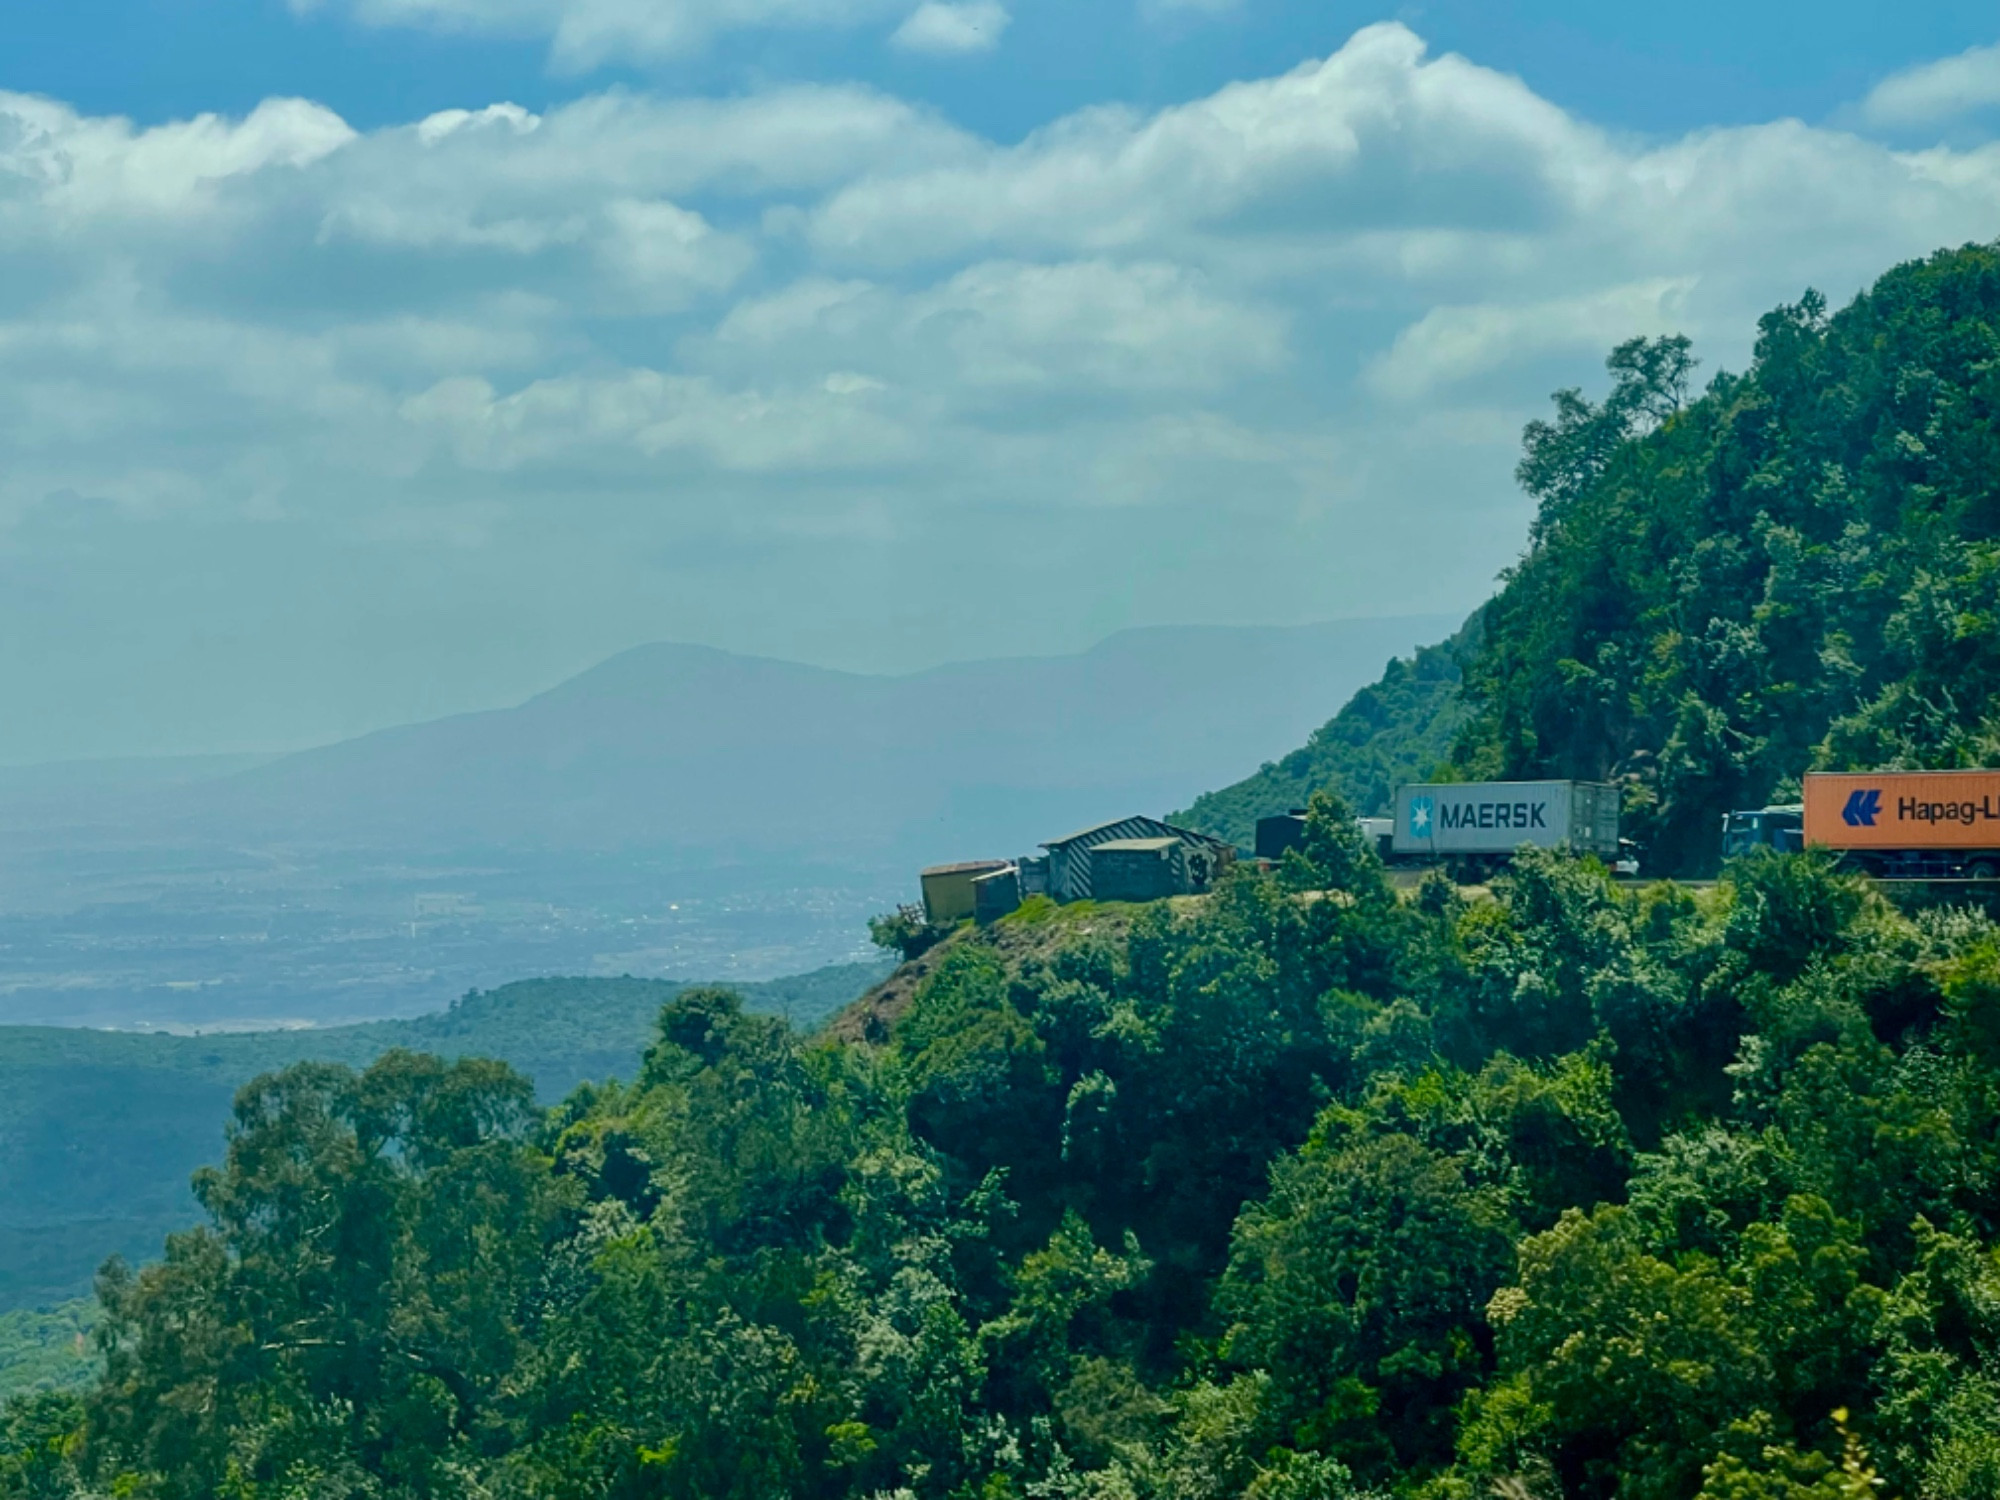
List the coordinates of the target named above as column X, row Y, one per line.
column 948, row 893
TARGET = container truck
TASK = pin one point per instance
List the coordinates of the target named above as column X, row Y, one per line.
column 1908, row 825
column 1781, row 826
column 1488, row 820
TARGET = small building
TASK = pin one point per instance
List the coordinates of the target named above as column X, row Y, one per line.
column 948, row 893
column 1200, row 860
column 995, row 893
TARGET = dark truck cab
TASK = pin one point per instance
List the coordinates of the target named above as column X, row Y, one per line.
column 1781, row 827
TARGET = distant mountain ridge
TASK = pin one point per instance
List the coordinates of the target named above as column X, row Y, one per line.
column 676, row 809
column 744, row 758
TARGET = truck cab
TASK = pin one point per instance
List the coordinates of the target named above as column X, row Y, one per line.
column 1781, row 827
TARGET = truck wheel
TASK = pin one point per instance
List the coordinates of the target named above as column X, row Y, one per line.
column 1983, row 869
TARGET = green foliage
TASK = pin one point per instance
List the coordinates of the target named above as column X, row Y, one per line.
column 1303, row 1190
column 100, row 1130
column 1397, row 729
column 906, row 932
column 1334, row 855
column 1360, row 1284
column 41, row 1439
column 47, row 1349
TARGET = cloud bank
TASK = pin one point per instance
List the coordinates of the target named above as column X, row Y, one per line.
column 814, row 371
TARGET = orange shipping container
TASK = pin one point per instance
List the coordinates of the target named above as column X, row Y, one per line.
column 1904, row 810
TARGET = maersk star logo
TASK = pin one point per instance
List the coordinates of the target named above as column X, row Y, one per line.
column 1420, row 817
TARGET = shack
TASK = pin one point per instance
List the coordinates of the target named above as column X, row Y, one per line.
column 995, row 894
column 1192, row 864
column 948, row 893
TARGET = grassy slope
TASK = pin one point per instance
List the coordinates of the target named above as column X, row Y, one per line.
column 99, row 1131
column 1397, row 729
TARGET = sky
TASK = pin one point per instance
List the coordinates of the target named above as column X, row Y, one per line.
column 368, row 360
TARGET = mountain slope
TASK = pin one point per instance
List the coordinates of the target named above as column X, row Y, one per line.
column 1399, row 728
column 741, row 758
column 674, row 810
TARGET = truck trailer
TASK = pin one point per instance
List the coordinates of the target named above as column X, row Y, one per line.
column 1908, row 825
column 1491, row 819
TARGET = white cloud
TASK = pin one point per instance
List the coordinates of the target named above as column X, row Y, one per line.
column 1936, row 91
column 449, row 122
column 575, row 348
column 1450, row 344
column 74, row 166
column 952, row 30
column 1117, row 331
column 651, row 415
column 1375, row 129
column 666, row 255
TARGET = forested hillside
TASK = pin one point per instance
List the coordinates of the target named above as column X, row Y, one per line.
column 100, row 1130
column 1572, row 1191
column 1799, row 569
column 1397, row 729
column 1794, row 568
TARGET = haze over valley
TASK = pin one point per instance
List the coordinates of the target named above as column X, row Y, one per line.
column 676, row 811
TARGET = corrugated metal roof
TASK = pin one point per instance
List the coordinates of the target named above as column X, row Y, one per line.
column 1084, row 833
column 1187, row 834
column 963, row 866
column 1135, row 846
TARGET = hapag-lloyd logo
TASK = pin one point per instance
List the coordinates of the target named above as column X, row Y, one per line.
column 1864, row 806
column 1863, row 803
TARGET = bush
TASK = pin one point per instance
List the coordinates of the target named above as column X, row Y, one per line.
column 907, row 931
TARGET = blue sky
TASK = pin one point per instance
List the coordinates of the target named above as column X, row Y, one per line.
column 1642, row 67
column 364, row 360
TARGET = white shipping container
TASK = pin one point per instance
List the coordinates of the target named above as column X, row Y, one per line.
column 1497, row 817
